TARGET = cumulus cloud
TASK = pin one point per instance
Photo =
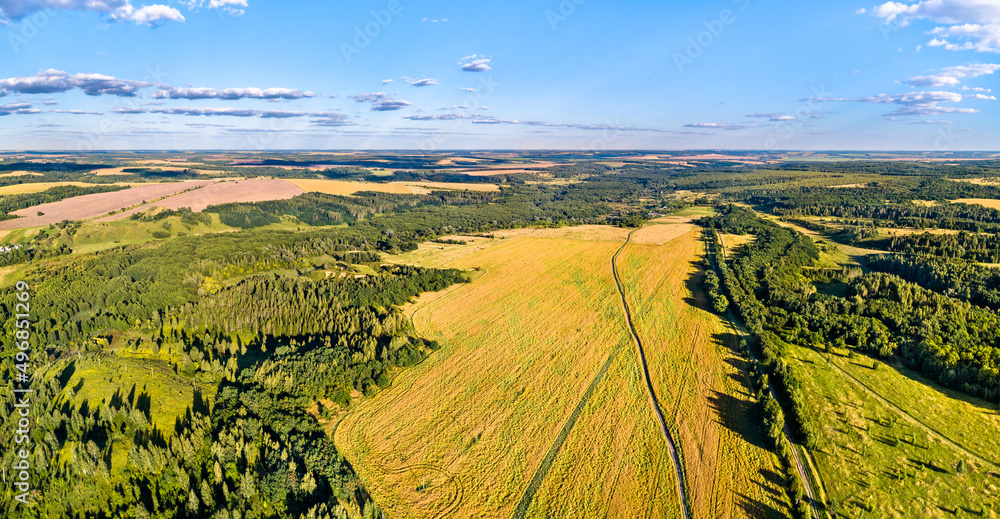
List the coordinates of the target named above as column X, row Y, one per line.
column 475, row 63
column 421, row 82
column 951, row 76
column 914, row 103
column 388, row 105
column 151, row 15
column 51, row 81
column 116, row 10
column 975, row 24
column 18, row 108
column 381, row 102
column 231, row 94
column 370, row 98
column 774, row 117
column 233, row 7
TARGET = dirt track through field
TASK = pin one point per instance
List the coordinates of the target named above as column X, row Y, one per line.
column 671, row 445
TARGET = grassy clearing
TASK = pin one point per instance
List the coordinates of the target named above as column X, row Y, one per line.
column 701, row 383
column 522, row 344
column 95, row 379
column 890, row 441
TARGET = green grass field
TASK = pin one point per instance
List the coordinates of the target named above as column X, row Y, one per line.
column 891, row 443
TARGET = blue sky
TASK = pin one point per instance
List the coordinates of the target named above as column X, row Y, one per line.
column 560, row 74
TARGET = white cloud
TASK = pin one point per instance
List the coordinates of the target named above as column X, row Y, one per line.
column 154, row 15
column 386, row 81
column 951, row 76
column 18, row 108
column 914, row 103
column 980, row 38
column 76, row 112
column 230, row 94
column 717, row 126
column 51, row 80
column 975, row 23
column 233, row 7
column 421, row 82
column 319, row 118
column 381, row 102
column 475, row 63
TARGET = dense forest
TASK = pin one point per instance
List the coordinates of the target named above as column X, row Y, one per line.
column 944, row 337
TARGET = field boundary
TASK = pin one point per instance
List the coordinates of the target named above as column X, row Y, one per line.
column 682, row 490
column 737, row 326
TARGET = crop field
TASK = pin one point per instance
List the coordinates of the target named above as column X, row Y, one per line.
column 471, row 425
column 91, row 206
column 700, row 381
column 37, row 187
column 985, row 202
column 221, row 193
column 891, row 442
column 538, row 392
column 347, row 187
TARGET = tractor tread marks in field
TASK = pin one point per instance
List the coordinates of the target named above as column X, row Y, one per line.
column 682, row 490
column 456, row 499
column 543, row 468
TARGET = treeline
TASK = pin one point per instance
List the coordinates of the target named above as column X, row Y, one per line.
column 984, row 248
column 963, row 280
column 29, row 253
column 763, row 269
column 947, row 339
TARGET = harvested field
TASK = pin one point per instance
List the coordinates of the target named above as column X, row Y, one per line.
column 21, row 174
column 346, row 187
column 537, row 390
column 702, row 383
column 522, row 345
column 660, row 233
column 221, row 193
column 90, row 206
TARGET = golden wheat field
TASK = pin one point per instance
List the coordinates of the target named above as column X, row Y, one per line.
column 700, row 381
column 538, row 391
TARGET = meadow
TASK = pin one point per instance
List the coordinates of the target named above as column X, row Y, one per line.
column 894, row 444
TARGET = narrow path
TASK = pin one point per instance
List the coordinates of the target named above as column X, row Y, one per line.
column 682, row 492
column 738, row 326
column 913, row 419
